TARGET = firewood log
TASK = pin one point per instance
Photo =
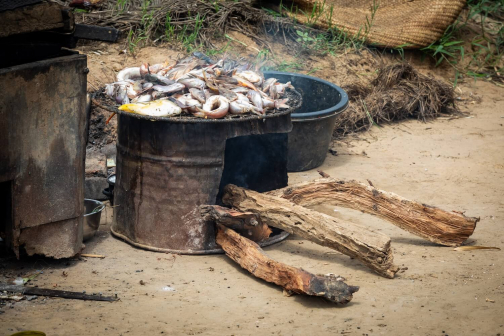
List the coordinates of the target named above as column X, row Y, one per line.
column 247, row 224
column 436, row 225
column 371, row 248
column 252, row 258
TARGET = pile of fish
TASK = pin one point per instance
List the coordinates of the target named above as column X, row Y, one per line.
column 197, row 86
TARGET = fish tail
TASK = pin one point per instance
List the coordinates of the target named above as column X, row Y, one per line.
column 282, row 103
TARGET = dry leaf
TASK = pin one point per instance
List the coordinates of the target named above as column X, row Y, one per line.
column 470, row 248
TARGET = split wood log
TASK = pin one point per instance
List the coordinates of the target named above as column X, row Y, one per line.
column 371, row 248
column 247, row 224
column 436, row 225
column 251, row 257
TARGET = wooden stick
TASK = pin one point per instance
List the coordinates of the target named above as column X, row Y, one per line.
column 247, row 224
column 54, row 293
column 252, row 258
column 436, row 225
column 371, row 248
column 92, row 255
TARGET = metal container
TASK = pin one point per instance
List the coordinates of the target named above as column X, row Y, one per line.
column 166, row 167
column 92, row 216
column 42, row 150
column 313, row 123
column 109, row 191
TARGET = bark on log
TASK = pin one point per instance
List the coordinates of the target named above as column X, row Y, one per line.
column 252, row 258
column 371, row 248
column 247, row 224
column 436, row 225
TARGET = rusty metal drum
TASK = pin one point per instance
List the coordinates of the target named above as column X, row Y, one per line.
column 167, row 167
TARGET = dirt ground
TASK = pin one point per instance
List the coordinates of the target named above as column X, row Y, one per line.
column 454, row 164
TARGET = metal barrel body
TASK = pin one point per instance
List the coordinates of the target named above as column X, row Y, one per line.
column 166, row 169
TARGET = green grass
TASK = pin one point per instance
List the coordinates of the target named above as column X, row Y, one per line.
column 481, row 57
column 483, row 51
column 332, row 40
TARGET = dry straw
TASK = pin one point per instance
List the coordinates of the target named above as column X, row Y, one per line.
column 398, row 92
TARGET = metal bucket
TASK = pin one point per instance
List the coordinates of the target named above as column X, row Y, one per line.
column 92, row 210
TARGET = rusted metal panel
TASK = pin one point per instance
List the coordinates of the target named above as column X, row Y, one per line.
column 58, row 240
column 42, row 113
column 165, row 170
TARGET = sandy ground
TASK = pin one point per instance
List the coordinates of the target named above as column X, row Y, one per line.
column 454, row 164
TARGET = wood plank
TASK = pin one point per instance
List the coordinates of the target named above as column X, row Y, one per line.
column 252, row 258
column 426, row 221
column 54, row 293
column 371, row 248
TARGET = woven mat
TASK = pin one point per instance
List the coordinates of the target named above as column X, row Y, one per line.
column 416, row 23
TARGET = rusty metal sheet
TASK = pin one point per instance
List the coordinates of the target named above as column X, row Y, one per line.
column 61, row 239
column 42, row 112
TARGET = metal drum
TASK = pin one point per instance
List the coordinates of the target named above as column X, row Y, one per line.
column 166, row 167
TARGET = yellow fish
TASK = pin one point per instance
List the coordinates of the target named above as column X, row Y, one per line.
column 156, row 108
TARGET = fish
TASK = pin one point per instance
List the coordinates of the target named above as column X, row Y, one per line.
column 269, row 103
column 203, row 57
column 129, row 73
column 278, row 89
column 178, row 72
column 144, row 69
column 158, row 79
column 240, row 89
column 110, row 89
column 211, row 86
column 157, row 108
column 267, row 84
column 165, row 70
column 230, row 95
column 242, row 98
column 216, row 107
column 192, row 83
column 250, row 76
column 199, row 85
column 245, row 83
column 256, row 99
column 208, row 93
column 144, row 98
column 147, row 86
column 158, row 95
column 217, row 72
column 198, row 94
column 227, row 80
column 189, row 103
column 157, row 67
column 169, row 88
column 239, row 107
column 134, row 89
column 121, row 95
